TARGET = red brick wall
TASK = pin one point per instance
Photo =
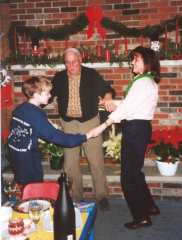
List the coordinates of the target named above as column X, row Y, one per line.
column 169, row 110
column 55, row 13
column 47, row 14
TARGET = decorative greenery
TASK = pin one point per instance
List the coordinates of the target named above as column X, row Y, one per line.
column 90, row 56
column 167, row 144
column 77, row 25
column 61, row 33
column 152, row 32
column 51, row 149
column 33, row 60
column 171, row 52
column 113, row 146
column 54, row 153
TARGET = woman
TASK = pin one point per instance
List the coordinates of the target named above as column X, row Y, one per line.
column 135, row 113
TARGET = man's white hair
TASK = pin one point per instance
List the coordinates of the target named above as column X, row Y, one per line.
column 73, row 50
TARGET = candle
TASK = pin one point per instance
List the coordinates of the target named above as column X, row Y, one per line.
column 15, row 38
column 117, row 47
column 177, row 33
column 83, row 54
column 24, row 44
column 165, row 39
column 99, row 50
column 107, row 55
column 66, row 44
column 126, row 45
column 35, row 51
column 87, row 55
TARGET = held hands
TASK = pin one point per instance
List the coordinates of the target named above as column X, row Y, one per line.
column 109, row 105
column 96, row 131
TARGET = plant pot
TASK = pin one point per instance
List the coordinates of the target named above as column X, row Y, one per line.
column 167, row 169
column 56, row 163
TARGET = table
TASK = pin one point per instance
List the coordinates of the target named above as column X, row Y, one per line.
column 88, row 215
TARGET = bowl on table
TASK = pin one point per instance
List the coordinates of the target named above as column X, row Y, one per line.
column 23, row 207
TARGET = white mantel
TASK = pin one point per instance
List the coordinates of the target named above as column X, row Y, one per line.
column 166, row 63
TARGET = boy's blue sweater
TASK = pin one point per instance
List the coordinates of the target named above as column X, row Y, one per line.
column 29, row 123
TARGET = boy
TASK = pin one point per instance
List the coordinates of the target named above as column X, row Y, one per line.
column 29, row 123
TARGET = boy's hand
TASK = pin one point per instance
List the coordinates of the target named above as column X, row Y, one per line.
column 96, row 131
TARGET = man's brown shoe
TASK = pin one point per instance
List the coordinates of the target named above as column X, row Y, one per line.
column 146, row 222
column 104, row 204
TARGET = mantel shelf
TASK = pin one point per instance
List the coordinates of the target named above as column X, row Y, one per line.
column 92, row 65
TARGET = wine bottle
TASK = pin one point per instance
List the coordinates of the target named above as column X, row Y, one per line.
column 64, row 213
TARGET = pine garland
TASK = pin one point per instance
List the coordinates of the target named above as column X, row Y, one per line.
column 79, row 23
column 152, row 32
column 61, row 33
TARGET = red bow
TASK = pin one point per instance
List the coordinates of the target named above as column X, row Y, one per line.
column 95, row 15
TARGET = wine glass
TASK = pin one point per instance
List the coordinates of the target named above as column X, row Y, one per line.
column 35, row 211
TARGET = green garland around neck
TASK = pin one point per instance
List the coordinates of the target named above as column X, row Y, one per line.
column 137, row 77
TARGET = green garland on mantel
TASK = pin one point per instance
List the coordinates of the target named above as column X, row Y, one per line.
column 79, row 23
column 152, row 32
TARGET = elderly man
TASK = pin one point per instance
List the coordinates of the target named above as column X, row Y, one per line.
column 78, row 89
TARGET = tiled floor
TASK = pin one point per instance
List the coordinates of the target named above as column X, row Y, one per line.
column 166, row 226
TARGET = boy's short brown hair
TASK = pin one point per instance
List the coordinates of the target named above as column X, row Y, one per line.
column 36, row 85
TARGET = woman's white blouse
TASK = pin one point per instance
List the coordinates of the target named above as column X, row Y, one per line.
column 140, row 102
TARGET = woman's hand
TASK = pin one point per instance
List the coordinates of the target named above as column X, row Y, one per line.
column 109, row 105
column 96, row 131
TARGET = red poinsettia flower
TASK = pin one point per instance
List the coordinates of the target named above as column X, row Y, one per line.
column 167, row 144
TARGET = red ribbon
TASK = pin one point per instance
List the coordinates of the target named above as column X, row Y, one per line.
column 95, row 15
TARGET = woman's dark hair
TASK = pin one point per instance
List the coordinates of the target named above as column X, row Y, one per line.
column 150, row 59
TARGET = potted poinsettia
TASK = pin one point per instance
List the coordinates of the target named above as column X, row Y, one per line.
column 166, row 147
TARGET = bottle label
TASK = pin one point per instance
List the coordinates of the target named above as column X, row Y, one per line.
column 70, row 237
